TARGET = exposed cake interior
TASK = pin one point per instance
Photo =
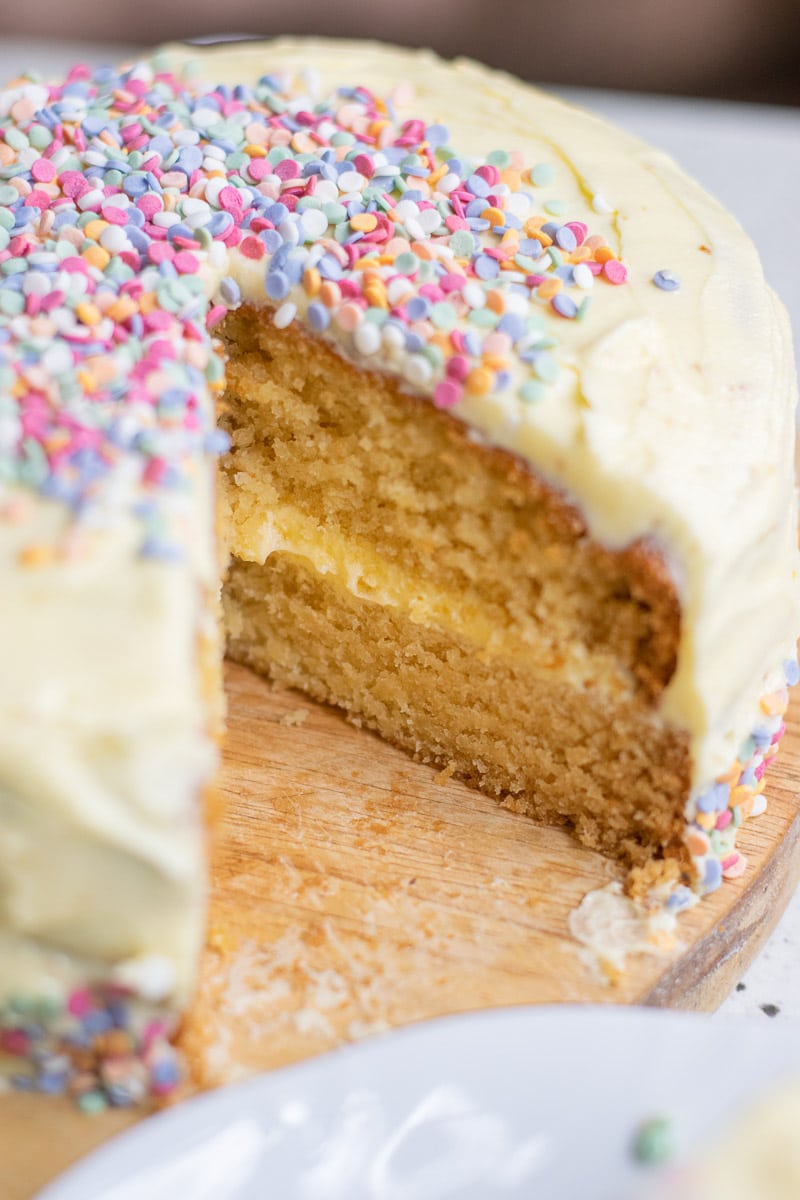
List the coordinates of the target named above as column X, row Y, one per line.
column 445, row 596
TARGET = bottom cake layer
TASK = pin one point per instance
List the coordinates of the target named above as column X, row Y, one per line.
column 602, row 763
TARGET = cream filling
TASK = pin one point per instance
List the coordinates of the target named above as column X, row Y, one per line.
column 285, row 529
column 673, row 416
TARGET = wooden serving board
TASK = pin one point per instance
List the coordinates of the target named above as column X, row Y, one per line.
column 354, row 891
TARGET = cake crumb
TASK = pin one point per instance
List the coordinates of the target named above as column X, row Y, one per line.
column 444, row 776
column 297, row 716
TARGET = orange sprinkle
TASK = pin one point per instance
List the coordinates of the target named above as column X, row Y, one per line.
column 594, row 240
column 511, row 178
column 375, row 295
column 312, row 281
column 94, row 229
column 548, row 289
column 479, row 381
column 533, row 224
column 148, row 302
column 493, row 215
column 330, row 293
column 364, row 222
column 88, row 314
column 603, row 254
column 254, row 151
column 36, row 556
column 495, row 301
column 121, row 309
column 96, row 256
column 7, row 155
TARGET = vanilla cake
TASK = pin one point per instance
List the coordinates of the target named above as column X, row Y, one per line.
column 501, row 416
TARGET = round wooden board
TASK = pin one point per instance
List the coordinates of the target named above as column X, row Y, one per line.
column 354, row 890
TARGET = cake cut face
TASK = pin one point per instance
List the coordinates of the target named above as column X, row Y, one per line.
column 477, row 358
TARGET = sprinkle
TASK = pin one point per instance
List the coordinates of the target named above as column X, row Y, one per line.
column 654, row 1141
column 285, row 315
column 667, row 281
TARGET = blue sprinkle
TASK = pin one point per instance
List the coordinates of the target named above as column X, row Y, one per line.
column 713, row 875
column 318, row 316
column 566, row 239
column 791, row 671
column 565, row 306
column 478, row 186
column 486, row 267
column 277, row 285
column 418, row 308
column 513, row 325
column 714, row 799
column 271, row 239
column 668, row 281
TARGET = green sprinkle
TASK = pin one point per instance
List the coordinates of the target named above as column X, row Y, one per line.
column 92, row 1102
column 462, row 243
column 556, row 208
column 543, row 174
column 336, row 213
column 14, row 266
column 11, row 303
column 443, row 315
column 16, row 139
column 8, row 195
column 484, row 318
column 532, row 392
column 406, row 263
column 499, row 159
column 654, row 1141
column 545, row 368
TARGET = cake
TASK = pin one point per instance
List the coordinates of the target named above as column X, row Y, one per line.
column 504, row 416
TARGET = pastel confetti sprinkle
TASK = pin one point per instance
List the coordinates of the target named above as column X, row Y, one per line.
column 126, row 202
column 667, row 281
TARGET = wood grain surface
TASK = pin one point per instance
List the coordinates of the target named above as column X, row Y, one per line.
column 354, row 890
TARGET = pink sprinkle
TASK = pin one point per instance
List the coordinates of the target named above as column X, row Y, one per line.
column 734, row 866
column 253, row 247
column 43, row 171
column 155, row 470
column 458, row 367
column 451, row 282
column 454, row 223
column 185, row 263
column 149, row 205
column 80, row 1002
column 287, row 168
column 114, row 214
column 364, row 165
column 15, row 1041
column 446, row 393
column 579, row 229
column 158, row 319
column 759, row 770
column 259, row 168
column 348, row 315
column 37, row 199
column 73, row 184
column 159, row 252
column 724, row 819
column 489, row 173
column 215, row 315
column 778, row 734
column 230, row 198
column 615, row 272
column 75, row 264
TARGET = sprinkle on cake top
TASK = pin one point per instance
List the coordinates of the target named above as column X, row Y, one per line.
column 130, row 204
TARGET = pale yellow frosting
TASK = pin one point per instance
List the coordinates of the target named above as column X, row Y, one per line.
column 672, row 419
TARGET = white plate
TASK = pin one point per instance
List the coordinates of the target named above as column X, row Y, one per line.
column 532, row 1103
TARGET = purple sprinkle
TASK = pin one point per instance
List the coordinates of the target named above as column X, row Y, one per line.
column 668, row 281
column 486, row 267
column 565, row 306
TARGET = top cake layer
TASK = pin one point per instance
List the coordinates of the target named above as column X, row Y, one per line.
column 453, row 233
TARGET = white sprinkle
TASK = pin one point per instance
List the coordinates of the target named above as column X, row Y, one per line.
column 406, row 210
column 474, row 295
column 430, row 219
column 313, row 224
column 351, row 181
column 202, row 118
column 285, row 315
column 417, row 370
column 414, row 230
column 448, row 183
column 114, row 240
column 398, row 288
column 600, row 204
column 290, row 230
column 367, row 338
column 583, row 276
column 392, row 337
